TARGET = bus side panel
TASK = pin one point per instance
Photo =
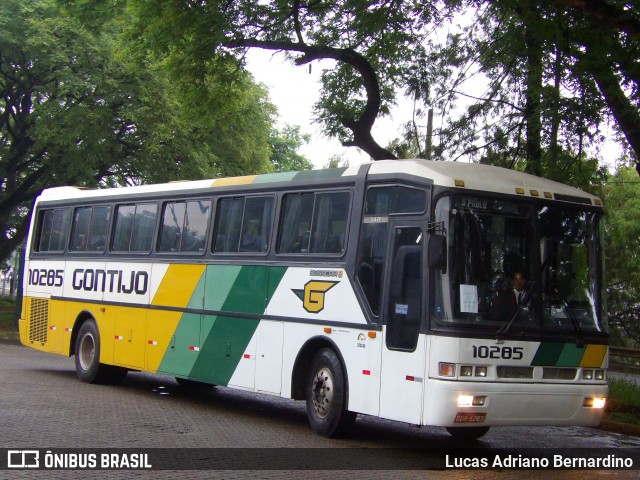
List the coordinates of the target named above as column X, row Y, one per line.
column 229, row 347
column 175, row 336
column 360, row 353
column 42, row 317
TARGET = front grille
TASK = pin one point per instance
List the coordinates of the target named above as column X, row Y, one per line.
column 555, row 373
column 38, row 319
column 514, row 372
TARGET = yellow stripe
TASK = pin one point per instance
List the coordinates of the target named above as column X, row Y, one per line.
column 178, row 285
column 594, row 356
column 227, row 182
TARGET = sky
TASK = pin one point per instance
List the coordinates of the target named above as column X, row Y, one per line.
column 294, row 90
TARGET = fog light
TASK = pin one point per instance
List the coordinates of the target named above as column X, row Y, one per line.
column 481, row 371
column 594, row 402
column 465, row 400
column 466, row 371
column 587, row 374
column 599, row 374
column 447, row 369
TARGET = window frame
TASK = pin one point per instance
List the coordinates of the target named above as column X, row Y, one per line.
column 114, row 219
column 281, row 215
column 244, row 198
column 86, row 251
column 160, row 223
column 37, row 239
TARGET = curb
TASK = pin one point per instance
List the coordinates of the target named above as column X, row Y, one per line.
column 617, row 427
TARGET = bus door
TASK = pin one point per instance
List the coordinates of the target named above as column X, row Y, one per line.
column 403, row 353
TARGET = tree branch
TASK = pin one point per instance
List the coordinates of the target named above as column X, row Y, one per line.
column 361, row 127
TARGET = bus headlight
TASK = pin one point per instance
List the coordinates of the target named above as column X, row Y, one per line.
column 481, row 371
column 599, row 374
column 471, row 401
column 587, row 374
column 597, row 402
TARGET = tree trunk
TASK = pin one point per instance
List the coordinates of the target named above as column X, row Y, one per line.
column 533, row 93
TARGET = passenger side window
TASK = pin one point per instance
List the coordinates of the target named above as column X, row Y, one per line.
column 90, row 229
column 54, row 228
column 244, row 225
column 184, row 226
column 134, row 227
column 314, row 223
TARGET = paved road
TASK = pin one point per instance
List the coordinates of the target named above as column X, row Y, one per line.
column 44, row 406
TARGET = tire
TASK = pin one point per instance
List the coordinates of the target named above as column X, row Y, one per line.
column 87, row 352
column 326, row 396
column 467, row 433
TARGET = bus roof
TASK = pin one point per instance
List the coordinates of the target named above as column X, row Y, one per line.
column 465, row 176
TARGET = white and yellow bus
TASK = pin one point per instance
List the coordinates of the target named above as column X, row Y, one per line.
column 380, row 289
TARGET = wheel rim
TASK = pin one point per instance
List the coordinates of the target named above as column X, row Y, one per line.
column 87, row 351
column 322, row 393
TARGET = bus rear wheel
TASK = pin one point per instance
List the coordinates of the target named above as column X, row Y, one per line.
column 327, row 396
column 467, row 433
column 87, row 352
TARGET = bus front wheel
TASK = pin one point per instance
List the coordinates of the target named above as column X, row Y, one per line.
column 467, row 433
column 87, row 352
column 327, row 396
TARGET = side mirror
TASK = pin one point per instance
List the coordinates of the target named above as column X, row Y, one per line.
column 437, row 254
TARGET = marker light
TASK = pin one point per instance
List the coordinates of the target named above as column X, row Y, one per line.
column 465, row 400
column 447, row 369
column 466, row 371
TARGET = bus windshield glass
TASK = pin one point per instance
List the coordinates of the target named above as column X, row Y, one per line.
column 518, row 267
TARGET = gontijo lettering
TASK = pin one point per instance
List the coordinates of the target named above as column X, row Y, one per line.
column 111, row 281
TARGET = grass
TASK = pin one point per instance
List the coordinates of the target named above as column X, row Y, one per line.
column 7, row 314
column 624, row 401
column 624, row 392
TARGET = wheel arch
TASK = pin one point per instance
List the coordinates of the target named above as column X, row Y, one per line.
column 302, row 366
column 82, row 317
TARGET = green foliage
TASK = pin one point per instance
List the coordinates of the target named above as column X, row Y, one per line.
column 284, row 149
column 85, row 103
column 625, row 392
column 622, row 202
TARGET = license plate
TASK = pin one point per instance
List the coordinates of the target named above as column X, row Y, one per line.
column 465, row 417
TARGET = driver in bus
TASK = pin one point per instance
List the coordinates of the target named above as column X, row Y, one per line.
column 520, row 288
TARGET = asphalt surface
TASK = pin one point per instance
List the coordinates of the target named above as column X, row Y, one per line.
column 44, row 406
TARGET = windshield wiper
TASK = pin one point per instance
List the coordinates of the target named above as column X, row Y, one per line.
column 575, row 323
column 504, row 328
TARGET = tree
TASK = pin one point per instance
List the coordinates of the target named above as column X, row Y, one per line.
column 76, row 109
column 622, row 201
column 284, row 149
column 375, row 47
column 555, row 75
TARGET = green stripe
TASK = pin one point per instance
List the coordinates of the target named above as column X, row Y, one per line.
column 571, row 355
column 178, row 359
column 275, row 177
column 547, row 354
column 226, row 338
column 558, row 355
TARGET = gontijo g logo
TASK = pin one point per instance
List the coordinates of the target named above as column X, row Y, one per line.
column 313, row 294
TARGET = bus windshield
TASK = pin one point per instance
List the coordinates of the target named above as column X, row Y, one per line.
column 518, row 266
